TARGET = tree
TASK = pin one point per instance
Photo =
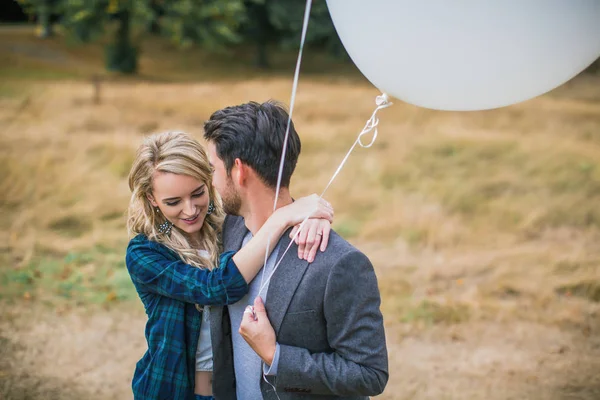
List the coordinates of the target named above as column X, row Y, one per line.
column 258, row 30
column 279, row 22
column 210, row 23
column 87, row 20
column 42, row 10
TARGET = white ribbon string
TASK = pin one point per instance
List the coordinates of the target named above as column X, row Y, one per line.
column 371, row 126
column 287, row 129
column 284, row 150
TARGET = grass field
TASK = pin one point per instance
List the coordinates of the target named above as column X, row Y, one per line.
column 483, row 227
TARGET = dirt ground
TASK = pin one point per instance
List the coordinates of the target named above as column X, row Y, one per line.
column 72, row 354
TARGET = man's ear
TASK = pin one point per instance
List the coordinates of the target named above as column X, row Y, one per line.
column 239, row 172
column 151, row 200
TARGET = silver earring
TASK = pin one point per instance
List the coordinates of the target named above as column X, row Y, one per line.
column 211, row 208
column 165, row 227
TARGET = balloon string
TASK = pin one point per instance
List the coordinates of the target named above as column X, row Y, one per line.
column 285, row 142
column 371, row 126
column 287, row 128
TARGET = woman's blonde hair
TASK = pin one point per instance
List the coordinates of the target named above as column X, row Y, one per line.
column 177, row 153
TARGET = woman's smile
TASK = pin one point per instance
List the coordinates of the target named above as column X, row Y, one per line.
column 191, row 220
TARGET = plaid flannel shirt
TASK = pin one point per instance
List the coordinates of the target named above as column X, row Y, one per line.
column 169, row 290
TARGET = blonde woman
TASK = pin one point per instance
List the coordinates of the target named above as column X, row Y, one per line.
column 176, row 264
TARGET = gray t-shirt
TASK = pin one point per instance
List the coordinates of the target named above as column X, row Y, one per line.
column 204, row 356
column 246, row 362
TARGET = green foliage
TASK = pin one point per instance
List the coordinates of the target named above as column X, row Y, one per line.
column 212, row 23
column 96, row 276
column 43, row 9
column 286, row 16
column 279, row 23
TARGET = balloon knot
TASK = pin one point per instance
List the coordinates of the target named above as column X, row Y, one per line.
column 382, row 99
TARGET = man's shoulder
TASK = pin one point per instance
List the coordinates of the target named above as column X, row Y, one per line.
column 339, row 248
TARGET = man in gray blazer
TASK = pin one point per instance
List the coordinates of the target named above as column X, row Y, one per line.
column 320, row 331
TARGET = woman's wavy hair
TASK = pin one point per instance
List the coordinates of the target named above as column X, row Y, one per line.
column 176, row 153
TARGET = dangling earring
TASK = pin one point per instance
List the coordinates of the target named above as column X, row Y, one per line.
column 211, row 208
column 166, row 226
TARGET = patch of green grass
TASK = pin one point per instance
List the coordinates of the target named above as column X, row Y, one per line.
column 430, row 313
column 34, row 72
column 97, row 276
column 58, row 58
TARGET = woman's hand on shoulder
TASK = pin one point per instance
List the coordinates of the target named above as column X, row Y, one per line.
column 313, row 236
column 315, row 230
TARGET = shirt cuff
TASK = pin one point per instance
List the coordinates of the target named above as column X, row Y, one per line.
column 272, row 370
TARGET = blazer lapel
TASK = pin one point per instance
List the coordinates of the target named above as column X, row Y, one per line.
column 284, row 282
column 234, row 236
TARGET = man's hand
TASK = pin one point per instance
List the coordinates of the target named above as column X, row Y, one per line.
column 258, row 332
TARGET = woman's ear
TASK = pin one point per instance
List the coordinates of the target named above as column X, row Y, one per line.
column 151, row 200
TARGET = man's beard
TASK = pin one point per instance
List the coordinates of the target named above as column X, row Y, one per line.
column 232, row 202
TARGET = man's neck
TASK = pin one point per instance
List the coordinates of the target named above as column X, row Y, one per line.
column 259, row 207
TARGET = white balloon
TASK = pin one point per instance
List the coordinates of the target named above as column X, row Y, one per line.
column 468, row 55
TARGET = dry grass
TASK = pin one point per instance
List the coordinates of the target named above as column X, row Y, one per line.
column 483, row 227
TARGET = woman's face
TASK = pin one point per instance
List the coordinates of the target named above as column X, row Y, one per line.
column 182, row 199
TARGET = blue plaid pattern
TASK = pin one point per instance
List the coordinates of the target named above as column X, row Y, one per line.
column 169, row 290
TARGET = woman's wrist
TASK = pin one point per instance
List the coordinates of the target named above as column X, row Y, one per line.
column 282, row 219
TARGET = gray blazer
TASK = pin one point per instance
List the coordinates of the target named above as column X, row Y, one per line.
column 327, row 320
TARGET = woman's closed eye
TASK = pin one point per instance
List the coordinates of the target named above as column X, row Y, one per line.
column 194, row 195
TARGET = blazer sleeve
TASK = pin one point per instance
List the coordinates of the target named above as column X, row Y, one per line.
column 154, row 268
column 358, row 364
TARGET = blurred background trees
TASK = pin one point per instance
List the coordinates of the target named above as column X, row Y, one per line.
column 216, row 25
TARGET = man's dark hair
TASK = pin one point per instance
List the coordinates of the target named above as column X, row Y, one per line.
column 255, row 133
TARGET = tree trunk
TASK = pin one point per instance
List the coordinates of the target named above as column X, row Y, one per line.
column 44, row 22
column 260, row 32
column 121, row 56
column 262, row 55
